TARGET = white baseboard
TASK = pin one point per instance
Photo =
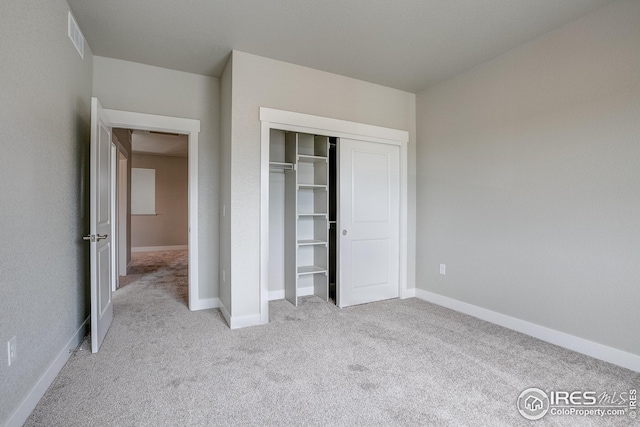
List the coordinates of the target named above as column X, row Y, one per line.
column 562, row 339
column 408, row 293
column 32, row 398
column 225, row 313
column 159, row 248
column 205, row 304
column 237, row 322
column 276, row 295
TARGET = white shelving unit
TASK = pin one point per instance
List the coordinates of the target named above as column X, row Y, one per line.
column 304, row 159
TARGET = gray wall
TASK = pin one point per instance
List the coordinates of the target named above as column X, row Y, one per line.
column 261, row 82
column 44, row 128
column 170, row 227
column 529, row 181
column 128, row 86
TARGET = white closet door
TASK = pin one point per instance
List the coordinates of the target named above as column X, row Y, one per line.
column 369, row 222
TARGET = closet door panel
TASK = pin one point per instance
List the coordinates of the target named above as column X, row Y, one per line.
column 369, row 222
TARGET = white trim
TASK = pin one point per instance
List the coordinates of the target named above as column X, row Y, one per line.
column 122, row 200
column 194, row 281
column 339, row 128
column 142, row 121
column 115, row 238
column 205, row 304
column 562, row 339
column 276, row 295
column 159, row 248
column 28, row 404
column 409, row 293
column 298, row 122
column 264, row 220
column 237, row 322
column 225, row 313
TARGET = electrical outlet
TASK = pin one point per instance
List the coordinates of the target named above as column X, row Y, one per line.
column 12, row 351
column 443, row 269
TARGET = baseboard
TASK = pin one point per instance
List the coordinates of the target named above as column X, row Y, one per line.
column 159, row 248
column 225, row 313
column 28, row 404
column 561, row 339
column 276, row 295
column 408, row 293
column 237, row 322
column 205, row 304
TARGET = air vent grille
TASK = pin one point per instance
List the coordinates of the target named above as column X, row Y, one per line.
column 76, row 36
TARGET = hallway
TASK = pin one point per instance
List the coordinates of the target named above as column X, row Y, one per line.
column 164, row 273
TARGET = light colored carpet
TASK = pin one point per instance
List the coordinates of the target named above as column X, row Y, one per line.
column 390, row 363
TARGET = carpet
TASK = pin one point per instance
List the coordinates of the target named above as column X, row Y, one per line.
column 392, row 363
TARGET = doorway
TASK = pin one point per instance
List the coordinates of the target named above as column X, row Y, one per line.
column 190, row 128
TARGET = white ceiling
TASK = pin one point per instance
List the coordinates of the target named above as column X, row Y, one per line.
column 144, row 142
column 405, row 44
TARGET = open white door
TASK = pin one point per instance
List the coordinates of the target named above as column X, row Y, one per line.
column 101, row 225
column 368, row 221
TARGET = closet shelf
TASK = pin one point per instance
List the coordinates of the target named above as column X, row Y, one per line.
column 311, row 269
column 281, row 165
column 312, row 186
column 311, row 159
column 311, row 242
column 303, row 203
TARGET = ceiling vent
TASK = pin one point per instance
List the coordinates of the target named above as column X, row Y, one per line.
column 76, row 36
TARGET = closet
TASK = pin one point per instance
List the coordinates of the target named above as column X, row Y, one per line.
column 300, row 214
column 334, row 218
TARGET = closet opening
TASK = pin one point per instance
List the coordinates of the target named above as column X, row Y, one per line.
column 302, row 216
column 333, row 210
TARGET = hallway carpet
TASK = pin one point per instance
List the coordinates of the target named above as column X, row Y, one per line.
column 393, row 363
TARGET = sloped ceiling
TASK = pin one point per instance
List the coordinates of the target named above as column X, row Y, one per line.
column 405, row 44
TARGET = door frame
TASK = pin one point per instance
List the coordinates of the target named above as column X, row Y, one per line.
column 190, row 127
column 298, row 122
column 122, row 209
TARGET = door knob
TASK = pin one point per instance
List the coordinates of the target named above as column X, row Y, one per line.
column 344, row 232
column 94, row 238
